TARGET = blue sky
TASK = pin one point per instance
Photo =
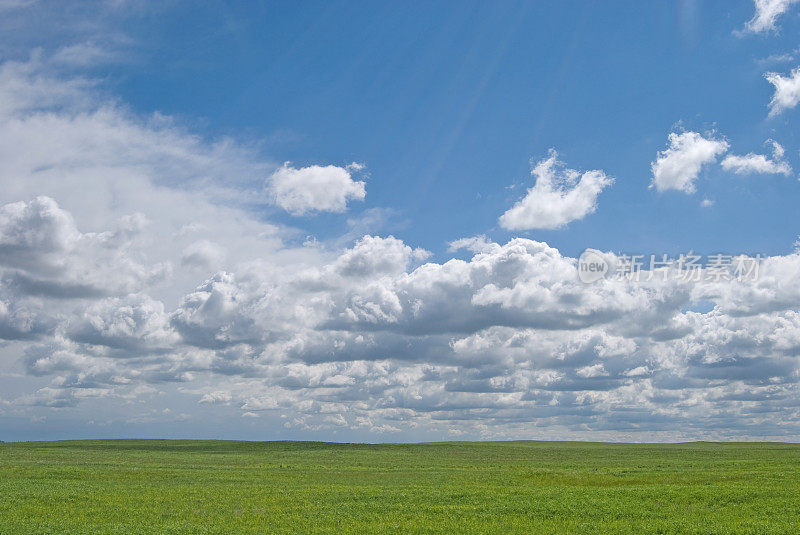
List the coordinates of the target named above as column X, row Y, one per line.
column 164, row 272
column 446, row 107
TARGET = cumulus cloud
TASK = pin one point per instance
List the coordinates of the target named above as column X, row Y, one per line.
column 217, row 314
column 373, row 256
column 315, row 188
column 678, row 166
column 767, row 14
column 35, row 235
column 559, row 196
column 758, row 163
column 22, row 321
column 46, row 254
column 787, row 91
column 133, row 323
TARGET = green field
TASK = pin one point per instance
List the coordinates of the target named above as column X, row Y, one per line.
column 152, row 486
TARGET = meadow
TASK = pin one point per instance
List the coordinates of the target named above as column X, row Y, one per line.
column 154, row 486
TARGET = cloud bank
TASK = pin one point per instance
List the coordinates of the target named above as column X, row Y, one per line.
column 375, row 339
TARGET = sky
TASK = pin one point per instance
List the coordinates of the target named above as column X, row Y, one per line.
column 380, row 222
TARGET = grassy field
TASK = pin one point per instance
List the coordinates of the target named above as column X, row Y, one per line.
column 151, row 486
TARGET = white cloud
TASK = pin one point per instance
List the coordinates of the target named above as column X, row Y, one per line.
column 45, row 254
column 14, row 4
column 20, row 320
column 679, row 165
column 203, row 254
column 217, row 315
column 373, row 257
column 706, row 203
column 315, row 188
column 781, row 57
column 596, row 370
column 767, row 14
column 778, row 151
column 759, row 163
column 559, row 196
column 35, row 235
column 132, row 323
column 787, row 91
column 216, row 397
column 474, row 244
column 83, row 54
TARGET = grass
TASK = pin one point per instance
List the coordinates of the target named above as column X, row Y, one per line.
column 153, row 486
